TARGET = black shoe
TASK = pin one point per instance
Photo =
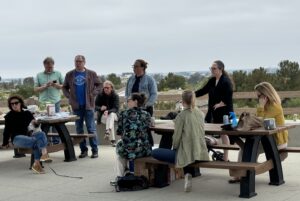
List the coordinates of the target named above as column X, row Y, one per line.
column 19, row 156
column 83, row 154
column 94, row 155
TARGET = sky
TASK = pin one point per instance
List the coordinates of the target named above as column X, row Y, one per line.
column 171, row 35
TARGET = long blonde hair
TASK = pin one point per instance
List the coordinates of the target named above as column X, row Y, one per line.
column 266, row 89
column 189, row 98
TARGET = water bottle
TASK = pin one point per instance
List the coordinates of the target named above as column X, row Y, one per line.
column 234, row 121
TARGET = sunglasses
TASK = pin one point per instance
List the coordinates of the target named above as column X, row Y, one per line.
column 14, row 103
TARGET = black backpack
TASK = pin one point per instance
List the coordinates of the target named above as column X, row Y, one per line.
column 129, row 182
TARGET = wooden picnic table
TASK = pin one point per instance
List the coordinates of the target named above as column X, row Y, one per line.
column 59, row 124
column 250, row 150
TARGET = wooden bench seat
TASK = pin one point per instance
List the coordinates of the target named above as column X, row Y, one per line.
column 76, row 138
column 144, row 166
column 290, row 150
column 225, row 146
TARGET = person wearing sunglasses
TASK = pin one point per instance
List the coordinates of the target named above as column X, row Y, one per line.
column 220, row 90
column 107, row 107
column 17, row 122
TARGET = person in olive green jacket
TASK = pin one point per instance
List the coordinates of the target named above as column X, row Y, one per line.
column 189, row 144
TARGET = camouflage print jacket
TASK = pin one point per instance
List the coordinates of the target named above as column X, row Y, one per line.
column 133, row 126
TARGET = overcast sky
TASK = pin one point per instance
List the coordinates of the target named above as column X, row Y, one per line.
column 172, row 35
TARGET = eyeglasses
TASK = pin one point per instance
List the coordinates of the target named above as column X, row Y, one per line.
column 135, row 66
column 14, row 103
column 213, row 68
column 79, row 61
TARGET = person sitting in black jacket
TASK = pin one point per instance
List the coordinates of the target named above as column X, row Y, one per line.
column 17, row 121
column 107, row 106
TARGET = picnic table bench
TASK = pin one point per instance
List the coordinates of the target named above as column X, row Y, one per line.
column 248, row 168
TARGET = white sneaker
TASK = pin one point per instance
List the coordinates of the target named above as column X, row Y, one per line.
column 187, row 182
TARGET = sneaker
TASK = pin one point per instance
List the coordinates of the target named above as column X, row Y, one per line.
column 187, row 182
column 83, row 154
column 94, row 155
column 45, row 158
column 37, row 168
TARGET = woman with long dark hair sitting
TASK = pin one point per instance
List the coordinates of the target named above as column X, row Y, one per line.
column 17, row 121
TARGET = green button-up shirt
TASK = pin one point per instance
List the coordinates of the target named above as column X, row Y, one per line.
column 51, row 94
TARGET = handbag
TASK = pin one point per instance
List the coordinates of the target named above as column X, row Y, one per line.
column 249, row 122
column 129, row 182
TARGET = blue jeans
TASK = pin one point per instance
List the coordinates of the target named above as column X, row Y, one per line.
column 36, row 142
column 169, row 156
column 166, row 155
column 88, row 117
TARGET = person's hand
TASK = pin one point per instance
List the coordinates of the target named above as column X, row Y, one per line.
column 103, row 108
column 220, row 104
column 262, row 101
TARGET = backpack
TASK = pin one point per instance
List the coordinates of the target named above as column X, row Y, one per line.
column 129, row 182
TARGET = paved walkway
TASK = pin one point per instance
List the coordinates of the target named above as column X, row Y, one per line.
column 18, row 183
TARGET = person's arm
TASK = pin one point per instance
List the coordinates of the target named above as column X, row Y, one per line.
column 98, row 103
column 152, row 88
column 227, row 93
column 6, row 137
column 120, row 128
column 205, row 89
column 38, row 87
column 6, row 133
column 127, row 90
column 97, row 84
column 116, row 103
column 178, row 130
column 59, row 83
column 260, row 110
column 66, row 86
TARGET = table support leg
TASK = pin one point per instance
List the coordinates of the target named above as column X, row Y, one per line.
column 66, row 139
column 271, row 152
column 247, row 185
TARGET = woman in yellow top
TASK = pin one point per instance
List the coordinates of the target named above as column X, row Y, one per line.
column 270, row 107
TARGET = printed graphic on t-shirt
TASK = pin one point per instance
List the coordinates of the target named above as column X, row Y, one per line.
column 79, row 80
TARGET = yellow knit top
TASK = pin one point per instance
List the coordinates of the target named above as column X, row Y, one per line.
column 274, row 111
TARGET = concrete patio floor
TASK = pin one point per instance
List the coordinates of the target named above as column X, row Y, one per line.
column 18, row 183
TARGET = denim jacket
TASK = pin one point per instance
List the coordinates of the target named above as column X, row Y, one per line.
column 147, row 86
